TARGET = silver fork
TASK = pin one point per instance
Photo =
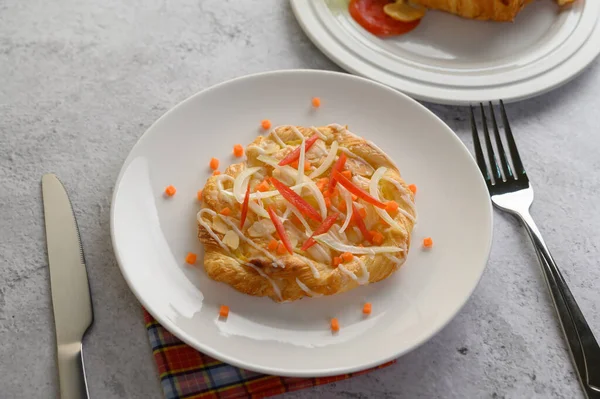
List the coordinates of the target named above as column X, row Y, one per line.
column 511, row 191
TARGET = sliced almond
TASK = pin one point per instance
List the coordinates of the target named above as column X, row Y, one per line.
column 404, row 11
column 261, row 228
column 231, row 239
column 219, row 225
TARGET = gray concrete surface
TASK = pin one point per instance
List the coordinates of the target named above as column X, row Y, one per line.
column 81, row 80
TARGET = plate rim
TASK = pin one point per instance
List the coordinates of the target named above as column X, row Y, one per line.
column 582, row 58
column 287, row 372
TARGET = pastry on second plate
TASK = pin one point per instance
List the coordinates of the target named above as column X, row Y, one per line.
column 313, row 211
column 495, row 10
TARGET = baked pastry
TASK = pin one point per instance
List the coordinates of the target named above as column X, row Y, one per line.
column 262, row 240
column 495, row 10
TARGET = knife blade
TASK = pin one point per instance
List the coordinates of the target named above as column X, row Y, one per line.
column 71, row 300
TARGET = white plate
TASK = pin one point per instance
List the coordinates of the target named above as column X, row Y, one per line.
column 452, row 60
column 152, row 234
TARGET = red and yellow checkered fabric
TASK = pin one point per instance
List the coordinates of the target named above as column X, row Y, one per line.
column 186, row 373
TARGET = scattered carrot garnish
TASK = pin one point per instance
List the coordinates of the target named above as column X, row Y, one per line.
column 263, row 186
column 245, row 207
column 190, row 258
column 322, row 229
column 354, row 189
column 347, row 174
column 322, row 183
column 238, row 150
column 170, row 191
column 199, row 195
column 281, row 250
column 216, row 173
column 336, row 261
column 377, row 237
column 225, row 211
column 391, row 206
column 335, row 325
column 294, row 165
column 296, row 220
column 280, row 230
column 339, row 165
column 266, row 124
column 316, row 102
column 354, row 197
column 412, row 188
column 214, row 163
column 362, row 212
column 272, row 245
column 296, row 200
column 428, row 242
column 367, row 308
column 294, row 155
column 358, row 219
column 224, row 311
column 347, row 256
column 328, row 202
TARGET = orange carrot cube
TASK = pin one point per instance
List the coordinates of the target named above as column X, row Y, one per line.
column 190, row 258
column 170, row 191
column 367, row 308
column 238, row 150
column 335, row 325
column 224, row 311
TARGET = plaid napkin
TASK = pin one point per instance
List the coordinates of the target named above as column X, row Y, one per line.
column 187, row 373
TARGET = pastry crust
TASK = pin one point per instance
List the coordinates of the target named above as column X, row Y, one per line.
column 252, row 269
column 495, row 10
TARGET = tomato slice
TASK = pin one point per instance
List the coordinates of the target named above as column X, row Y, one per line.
column 294, row 155
column 245, row 207
column 322, row 229
column 338, row 166
column 361, row 224
column 297, row 201
column 280, row 230
column 354, row 189
column 370, row 15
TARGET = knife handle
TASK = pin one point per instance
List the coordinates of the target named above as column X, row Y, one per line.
column 71, row 372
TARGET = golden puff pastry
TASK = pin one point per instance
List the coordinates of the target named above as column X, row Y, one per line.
column 253, row 259
column 495, row 10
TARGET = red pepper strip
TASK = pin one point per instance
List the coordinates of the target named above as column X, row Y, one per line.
column 245, row 207
column 354, row 189
column 339, row 165
column 294, row 155
column 280, row 230
column 322, row 229
column 297, row 201
column 361, row 224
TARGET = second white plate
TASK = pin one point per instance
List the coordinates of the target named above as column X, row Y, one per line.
column 452, row 60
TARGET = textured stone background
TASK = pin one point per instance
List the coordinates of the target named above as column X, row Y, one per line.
column 81, row 80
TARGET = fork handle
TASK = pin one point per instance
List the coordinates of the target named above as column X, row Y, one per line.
column 582, row 344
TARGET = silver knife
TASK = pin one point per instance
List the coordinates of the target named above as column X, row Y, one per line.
column 69, row 284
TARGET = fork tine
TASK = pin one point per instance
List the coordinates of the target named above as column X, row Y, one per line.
column 503, row 162
column 477, row 144
column 489, row 148
column 512, row 146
